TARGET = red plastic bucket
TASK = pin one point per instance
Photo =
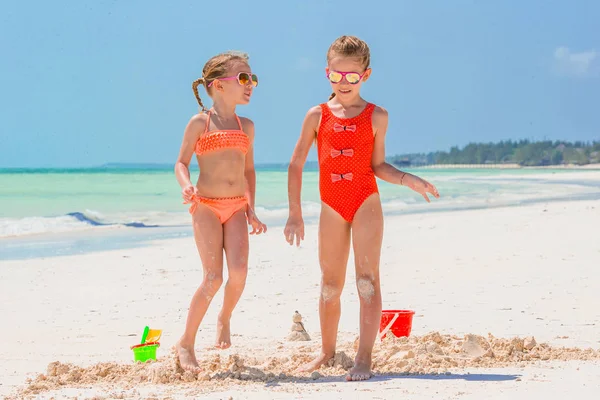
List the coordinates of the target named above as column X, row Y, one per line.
column 398, row 322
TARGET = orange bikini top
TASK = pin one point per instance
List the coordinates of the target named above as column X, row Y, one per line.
column 222, row 139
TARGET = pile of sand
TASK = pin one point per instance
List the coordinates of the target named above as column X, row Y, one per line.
column 430, row 354
column 436, row 353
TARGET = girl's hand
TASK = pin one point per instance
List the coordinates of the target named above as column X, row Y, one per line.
column 188, row 193
column 257, row 226
column 294, row 229
column 420, row 186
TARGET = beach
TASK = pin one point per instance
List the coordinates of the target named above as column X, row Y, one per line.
column 490, row 288
column 510, row 270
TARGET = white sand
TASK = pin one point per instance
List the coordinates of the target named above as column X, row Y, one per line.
column 526, row 271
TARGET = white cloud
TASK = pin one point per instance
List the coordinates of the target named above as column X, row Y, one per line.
column 574, row 64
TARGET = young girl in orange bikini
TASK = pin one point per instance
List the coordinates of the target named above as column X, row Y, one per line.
column 350, row 138
column 222, row 200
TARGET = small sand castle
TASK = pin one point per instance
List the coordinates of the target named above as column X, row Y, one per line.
column 298, row 331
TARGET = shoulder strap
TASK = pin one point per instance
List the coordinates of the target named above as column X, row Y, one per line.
column 369, row 114
column 239, row 122
column 207, row 121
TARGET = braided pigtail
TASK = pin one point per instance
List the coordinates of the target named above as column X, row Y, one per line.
column 195, row 84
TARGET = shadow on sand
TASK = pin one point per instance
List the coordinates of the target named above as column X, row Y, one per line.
column 382, row 378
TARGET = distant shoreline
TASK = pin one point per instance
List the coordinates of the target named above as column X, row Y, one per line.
column 502, row 166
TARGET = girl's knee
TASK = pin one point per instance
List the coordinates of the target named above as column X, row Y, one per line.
column 238, row 271
column 331, row 291
column 367, row 287
column 211, row 283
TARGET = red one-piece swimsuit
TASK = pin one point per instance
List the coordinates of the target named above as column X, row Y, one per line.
column 345, row 149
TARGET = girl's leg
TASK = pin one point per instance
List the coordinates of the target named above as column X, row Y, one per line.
column 208, row 233
column 334, row 246
column 367, row 235
column 235, row 240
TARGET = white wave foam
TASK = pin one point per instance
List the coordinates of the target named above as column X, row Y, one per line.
column 36, row 225
column 86, row 220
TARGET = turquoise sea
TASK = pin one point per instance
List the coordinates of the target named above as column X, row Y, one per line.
column 47, row 212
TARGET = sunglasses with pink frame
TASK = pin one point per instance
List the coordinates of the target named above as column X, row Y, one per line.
column 243, row 79
column 352, row 77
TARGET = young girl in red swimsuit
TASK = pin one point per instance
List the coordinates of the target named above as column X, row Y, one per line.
column 222, row 200
column 350, row 137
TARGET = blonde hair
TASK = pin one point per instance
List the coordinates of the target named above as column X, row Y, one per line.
column 351, row 47
column 215, row 68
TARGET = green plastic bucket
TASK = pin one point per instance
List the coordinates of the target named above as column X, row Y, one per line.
column 145, row 352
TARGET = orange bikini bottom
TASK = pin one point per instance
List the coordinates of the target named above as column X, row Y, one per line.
column 223, row 207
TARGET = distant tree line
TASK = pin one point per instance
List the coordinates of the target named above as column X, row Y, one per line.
column 523, row 152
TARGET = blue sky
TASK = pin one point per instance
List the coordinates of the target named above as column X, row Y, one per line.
column 90, row 82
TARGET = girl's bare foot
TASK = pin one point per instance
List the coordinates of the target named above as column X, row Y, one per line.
column 360, row 372
column 187, row 358
column 315, row 364
column 223, row 334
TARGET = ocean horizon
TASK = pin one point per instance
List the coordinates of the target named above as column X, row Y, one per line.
column 117, row 166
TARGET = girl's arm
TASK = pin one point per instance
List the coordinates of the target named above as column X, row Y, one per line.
column 294, row 228
column 250, row 177
column 388, row 172
column 303, row 145
column 249, row 170
column 381, row 168
column 190, row 136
